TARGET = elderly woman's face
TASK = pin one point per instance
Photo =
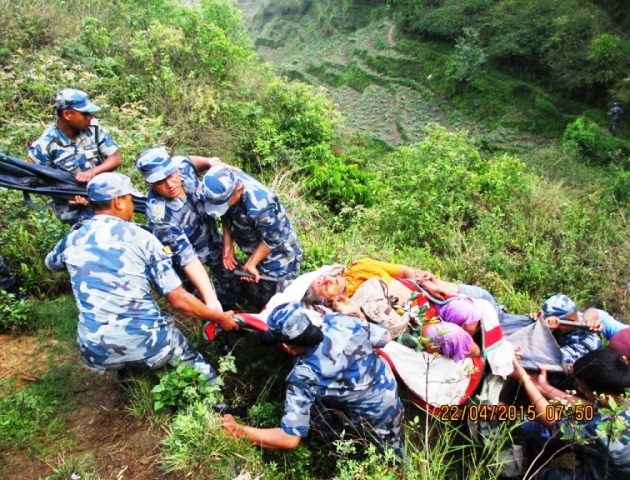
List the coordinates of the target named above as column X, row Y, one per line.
column 329, row 287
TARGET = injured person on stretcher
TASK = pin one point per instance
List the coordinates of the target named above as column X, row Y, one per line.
column 433, row 379
column 420, row 310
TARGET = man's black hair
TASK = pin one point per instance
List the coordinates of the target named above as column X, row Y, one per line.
column 102, row 205
column 308, row 338
column 604, row 371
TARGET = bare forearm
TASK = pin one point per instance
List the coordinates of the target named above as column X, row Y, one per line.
column 199, row 278
column 258, row 255
column 191, row 306
column 204, row 163
column 271, row 438
column 538, row 400
column 110, row 164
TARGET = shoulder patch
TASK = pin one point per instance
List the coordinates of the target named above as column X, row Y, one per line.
column 168, row 250
column 158, row 209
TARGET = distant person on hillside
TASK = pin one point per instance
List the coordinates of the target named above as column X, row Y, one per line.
column 254, row 218
column 75, row 143
column 114, row 264
column 615, row 114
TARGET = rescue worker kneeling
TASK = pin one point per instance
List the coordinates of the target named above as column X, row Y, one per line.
column 337, row 366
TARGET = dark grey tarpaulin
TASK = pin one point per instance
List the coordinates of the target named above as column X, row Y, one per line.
column 30, row 177
column 539, row 347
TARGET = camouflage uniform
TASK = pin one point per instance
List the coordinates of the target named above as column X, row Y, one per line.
column 183, row 226
column 54, row 149
column 344, row 371
column 259, row 216
column 112, row 265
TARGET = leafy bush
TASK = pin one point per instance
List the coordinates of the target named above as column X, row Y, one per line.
column 443, row 185
column 26, row 236
column 15, row 313
column 182, row 387
column 469, row 59
column 591, row 142
column 197, row 447
column 607, row 57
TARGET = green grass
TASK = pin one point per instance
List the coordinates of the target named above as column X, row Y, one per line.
column 34, row 417
column 58, row 315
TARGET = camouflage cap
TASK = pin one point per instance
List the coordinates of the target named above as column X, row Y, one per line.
column 73, row 99
column 109, row 185
column 155, row 164
column 219, row 184
column 289, row 323
column 558, row 306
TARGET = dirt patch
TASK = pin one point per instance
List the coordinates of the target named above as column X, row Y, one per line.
column 23, row 357
column 114, row 445
column 120, row 446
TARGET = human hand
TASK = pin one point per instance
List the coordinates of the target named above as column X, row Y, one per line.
column 541, row 379
column 433, row 289
column 230, row 426
column 553, row 322
column 593, row 324
column 84, row 177
column 518, row 371
column 347, row 307
column 79, row 200
column 421, row 276
column 227, row 323
column 228, row 257
column 253, row 271
column 518, row 352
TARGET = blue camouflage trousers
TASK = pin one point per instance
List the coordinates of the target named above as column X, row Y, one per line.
column 179, row 350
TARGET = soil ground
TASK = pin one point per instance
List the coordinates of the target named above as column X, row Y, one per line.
column 115, row 445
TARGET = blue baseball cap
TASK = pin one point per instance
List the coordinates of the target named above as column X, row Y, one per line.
column 558, row 306
column 219, row 184
column 109, row 185
column 155, row 164
column 289, row 323
column 73, row 99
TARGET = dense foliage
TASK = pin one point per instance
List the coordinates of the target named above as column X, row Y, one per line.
column 453, row 202
column 577, row 47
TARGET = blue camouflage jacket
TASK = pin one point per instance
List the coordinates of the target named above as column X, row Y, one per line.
column 54, row 149
column 259, row 216
column 113, row 266
column 181, row 223
column 343, row 370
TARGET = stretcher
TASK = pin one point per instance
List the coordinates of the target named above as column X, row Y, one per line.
column 432, row 379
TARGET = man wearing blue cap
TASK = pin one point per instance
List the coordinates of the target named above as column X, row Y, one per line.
column 574, row 342
column 337, row 367
column 175, row 213
column 77, row 144
column 254, row 218
column 113, row 265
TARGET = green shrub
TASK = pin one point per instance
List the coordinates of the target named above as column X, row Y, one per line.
column 443, row 185
column 15, row 313
column 26, row 237
column 469, row 59
column 183, row 386
column 196, row 447
column 591, row 142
